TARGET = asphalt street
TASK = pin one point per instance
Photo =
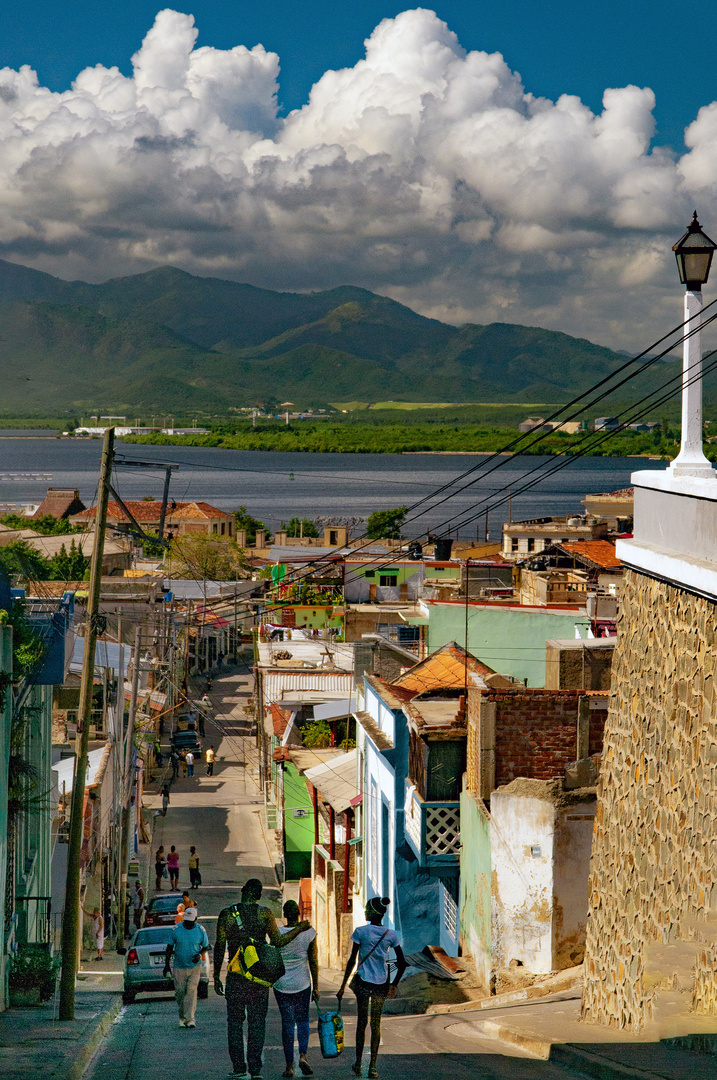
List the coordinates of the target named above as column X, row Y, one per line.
column 221, row 816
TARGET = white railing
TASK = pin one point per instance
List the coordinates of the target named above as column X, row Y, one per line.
column 412, row 821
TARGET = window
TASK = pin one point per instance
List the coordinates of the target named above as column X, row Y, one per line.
column 514, row 543
column 214, row 527
column 531, row 543
column 370, row 573
column 223, row 528
column 389, row 580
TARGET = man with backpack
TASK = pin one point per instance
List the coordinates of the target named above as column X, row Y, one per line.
column 254, row 966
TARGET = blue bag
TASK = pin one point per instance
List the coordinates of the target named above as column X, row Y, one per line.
column 331, row 1033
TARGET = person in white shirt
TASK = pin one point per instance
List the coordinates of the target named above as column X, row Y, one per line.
column 293, row 991
column 190, row 763
column 372, row 982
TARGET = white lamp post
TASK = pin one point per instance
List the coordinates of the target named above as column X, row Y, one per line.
column 694, row 253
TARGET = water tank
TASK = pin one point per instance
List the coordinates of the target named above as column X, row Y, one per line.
column 443, row 547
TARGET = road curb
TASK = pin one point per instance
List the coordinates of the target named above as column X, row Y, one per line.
column 88, row 1049
column 589, row 1063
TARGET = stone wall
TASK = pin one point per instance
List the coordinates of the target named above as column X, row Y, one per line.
column 653, row 875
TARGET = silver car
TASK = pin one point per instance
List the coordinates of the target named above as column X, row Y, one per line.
column 144, row 965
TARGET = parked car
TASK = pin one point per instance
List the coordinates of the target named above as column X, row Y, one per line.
column 162, row 910
column 144, row 965
column 186, row 740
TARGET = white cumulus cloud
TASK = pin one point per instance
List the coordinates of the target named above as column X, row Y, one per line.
column 425, row 172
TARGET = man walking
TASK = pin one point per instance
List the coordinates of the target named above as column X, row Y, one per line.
column 188, row 944
column 174, row 762
column 210, row 760
column 190, row 763
column 246, row 999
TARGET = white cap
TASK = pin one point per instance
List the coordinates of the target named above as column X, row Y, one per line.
column 190, row 914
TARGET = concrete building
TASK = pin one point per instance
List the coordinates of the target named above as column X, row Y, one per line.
column 614, row 507
column 579, row 664
column 521, row 538
column 525, row 839
column 508, row 637
column 411, row 751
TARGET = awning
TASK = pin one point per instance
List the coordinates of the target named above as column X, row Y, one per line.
column 334, row 710
column 336, row 780
column 65, row 770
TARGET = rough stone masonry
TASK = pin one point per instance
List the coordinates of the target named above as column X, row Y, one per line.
column 653, row 873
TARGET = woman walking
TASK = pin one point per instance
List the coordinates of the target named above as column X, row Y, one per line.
column 195, row 878
column 293, row 991
column 165, row 799
column 372, row 984
column 173, row 868
column 160, row 863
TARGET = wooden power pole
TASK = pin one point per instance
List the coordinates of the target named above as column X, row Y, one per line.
column 71, row 916
column 126, row 749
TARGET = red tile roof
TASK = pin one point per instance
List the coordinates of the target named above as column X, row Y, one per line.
column 150, row 511
column 598, row 552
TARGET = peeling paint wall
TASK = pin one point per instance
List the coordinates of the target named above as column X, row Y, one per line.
column 475, row 901
column 540, row 856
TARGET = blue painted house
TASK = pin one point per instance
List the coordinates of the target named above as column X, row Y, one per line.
column 411, row 739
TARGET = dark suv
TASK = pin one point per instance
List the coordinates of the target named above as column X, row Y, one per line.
column 186, row 740
column 162, row 910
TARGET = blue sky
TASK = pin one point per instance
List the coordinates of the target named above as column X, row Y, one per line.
column 497, row 161
column 558, row 46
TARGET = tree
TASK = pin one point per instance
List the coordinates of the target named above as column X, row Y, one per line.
column 47, row 525
column 294, row 527
column 68, row 565
column 20, row 562
column 210, row 558
column 244, row 520
column 386, row 524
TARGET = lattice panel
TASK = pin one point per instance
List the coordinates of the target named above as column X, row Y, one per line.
column 412, row 822
column 443, row 830
column 450, row 912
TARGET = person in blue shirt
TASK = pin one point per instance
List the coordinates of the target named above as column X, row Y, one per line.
column 372, row 982
column 189, row 943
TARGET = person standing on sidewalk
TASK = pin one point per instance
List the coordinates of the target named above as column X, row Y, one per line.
column 98, row 930
column 174, row 762
column 190, row 763
column 245, row 999
column 138, row 903
column 210, row 755
column 293, row 991
column 160, row 864
column 188, row 944
column 165, row 802
column 372, row 983
column 195, row 878
column 173, row 868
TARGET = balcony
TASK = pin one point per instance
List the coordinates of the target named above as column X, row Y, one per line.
column 432, row 830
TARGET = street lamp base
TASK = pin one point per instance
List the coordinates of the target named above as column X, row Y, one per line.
column 692, row 468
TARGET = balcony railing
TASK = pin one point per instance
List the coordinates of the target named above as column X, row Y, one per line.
column 433, row 829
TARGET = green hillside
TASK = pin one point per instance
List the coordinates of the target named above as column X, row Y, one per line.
column 171, row 341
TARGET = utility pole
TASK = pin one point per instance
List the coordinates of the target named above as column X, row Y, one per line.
column 125, row 789
column 71, row 916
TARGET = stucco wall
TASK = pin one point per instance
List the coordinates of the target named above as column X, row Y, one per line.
column 540, row 852
column 475, row 904
column 298, row 829
column 511, row 640
column 653, row 874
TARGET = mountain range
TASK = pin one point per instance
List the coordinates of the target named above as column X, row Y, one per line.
column 167, row 341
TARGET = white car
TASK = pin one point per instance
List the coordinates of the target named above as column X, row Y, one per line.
column 144, row 965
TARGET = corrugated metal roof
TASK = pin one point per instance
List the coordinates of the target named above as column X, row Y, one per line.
column 280, row 684
column 107, row 655
column 336, row 780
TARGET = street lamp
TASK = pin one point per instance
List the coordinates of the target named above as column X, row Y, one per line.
column 693, row 252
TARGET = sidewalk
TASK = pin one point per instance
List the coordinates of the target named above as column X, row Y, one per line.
column 677, row 1045
column 33, row 1043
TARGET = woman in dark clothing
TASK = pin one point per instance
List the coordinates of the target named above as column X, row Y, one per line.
column 372, row 983
column 159, row 864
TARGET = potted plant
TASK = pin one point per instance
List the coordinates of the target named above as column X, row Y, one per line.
column 32, row 975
